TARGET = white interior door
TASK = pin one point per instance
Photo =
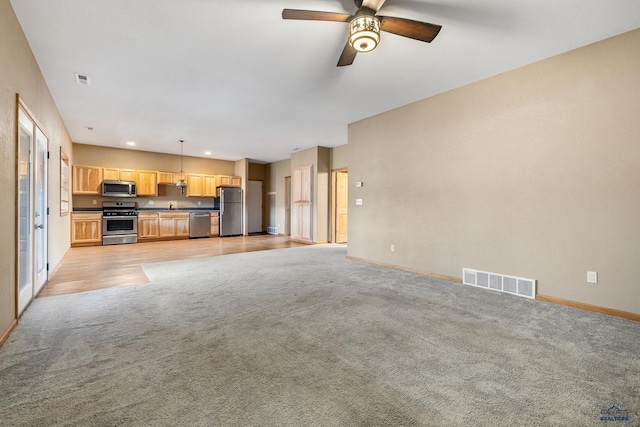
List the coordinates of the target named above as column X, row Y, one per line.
column 254, row 206
column 40, row 212
column 287, row 206
column 25, row 209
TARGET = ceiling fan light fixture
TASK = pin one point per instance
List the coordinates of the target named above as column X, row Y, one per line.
column 364, row 33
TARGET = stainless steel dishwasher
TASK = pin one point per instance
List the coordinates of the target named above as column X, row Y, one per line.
column 199, row 224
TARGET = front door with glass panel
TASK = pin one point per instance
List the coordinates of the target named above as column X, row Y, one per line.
column 32, row 209
column 40, row 212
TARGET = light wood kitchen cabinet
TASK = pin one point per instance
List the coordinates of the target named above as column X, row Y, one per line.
column 194, row 185
column 148, row 226
column 111, row 174
column 228, row 181
column 86, row 229
column 147, row 183
column 200, row 185
column 173, row 224
column 168, row 177
column 129, row 175
column 86, row 180
column 117, row 174
column 209, row 186
column 215, row 224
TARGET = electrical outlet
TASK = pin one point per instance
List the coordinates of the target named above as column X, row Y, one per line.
column 95, row 202
column 151, row 202
column 592, row 276
column 199, row 202
column 393, row 248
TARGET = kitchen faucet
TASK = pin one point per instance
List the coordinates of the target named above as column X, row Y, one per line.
column 170, row 206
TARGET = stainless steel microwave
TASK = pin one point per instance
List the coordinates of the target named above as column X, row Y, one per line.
column 119, row 189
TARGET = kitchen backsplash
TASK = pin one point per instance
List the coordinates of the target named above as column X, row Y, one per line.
column 166, row 194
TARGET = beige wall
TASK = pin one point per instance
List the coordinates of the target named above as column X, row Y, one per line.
column 340, row 157
column 19, row 73
column 532, row 173
column 256, row 171
column 93, row 155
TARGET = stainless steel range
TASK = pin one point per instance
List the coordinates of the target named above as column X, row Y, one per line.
column 119, row 223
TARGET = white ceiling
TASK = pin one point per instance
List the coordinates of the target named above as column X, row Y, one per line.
column 233, row 78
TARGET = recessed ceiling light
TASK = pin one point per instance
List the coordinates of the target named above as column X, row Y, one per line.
column 207, row 153
column 131, row 143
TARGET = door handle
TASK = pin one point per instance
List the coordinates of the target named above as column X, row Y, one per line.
column 39, row 226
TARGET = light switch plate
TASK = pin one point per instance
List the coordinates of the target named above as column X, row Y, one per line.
column 358, row 202
column 592, row 276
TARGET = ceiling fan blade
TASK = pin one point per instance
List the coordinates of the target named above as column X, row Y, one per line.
column 417, row 30
column 348, row 55
column 314, row 15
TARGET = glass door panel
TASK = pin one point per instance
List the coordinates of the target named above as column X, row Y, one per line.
column 40, row 213
column 25, row 225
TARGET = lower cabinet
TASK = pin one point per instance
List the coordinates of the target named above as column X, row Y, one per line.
column 86, row 229
column 215, row 223
column 148, row 226
column 173, row 224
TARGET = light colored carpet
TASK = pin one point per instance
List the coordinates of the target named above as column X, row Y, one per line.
column 305, row 337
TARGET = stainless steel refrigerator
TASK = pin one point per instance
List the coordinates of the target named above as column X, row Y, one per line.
column 230, row 211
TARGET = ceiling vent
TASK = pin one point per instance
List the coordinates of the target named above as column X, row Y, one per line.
column 82, row 79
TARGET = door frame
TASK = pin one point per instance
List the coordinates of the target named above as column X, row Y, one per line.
column 287, row 207
column 334, row 202
column 249, row 194
column 37, row 126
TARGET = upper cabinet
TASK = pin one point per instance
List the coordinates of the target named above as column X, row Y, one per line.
column 194, row 185
column 117, row 174
column 199, row 185
column 168, row 177
column 228, row 181
column 86, row 180
column 147, row 183
column 209, row 186
column 111, row 174
column 129, row 175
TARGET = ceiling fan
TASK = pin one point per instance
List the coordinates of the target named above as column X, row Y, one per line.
column 365, row 26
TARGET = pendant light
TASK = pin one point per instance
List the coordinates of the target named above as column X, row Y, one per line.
column 182, row 183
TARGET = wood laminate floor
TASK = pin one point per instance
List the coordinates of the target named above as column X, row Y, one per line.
column 99, row 267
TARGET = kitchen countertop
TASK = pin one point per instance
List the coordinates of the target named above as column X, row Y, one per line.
column 177, row 210
column 99, row 210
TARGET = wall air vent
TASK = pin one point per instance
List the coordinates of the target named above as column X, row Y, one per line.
column 499, row 282
column 272, row 230
column 82, row 79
